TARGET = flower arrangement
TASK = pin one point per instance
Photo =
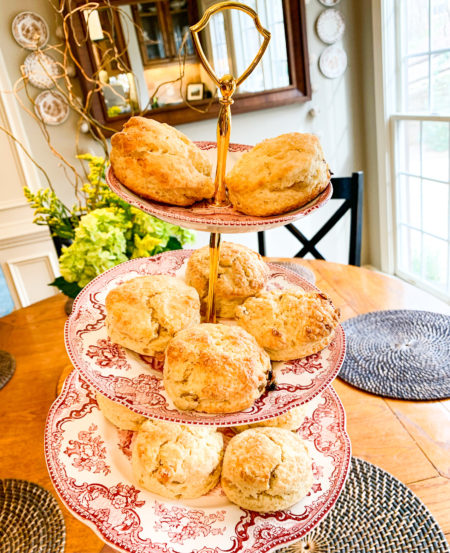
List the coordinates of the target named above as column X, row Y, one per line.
column 103, row 229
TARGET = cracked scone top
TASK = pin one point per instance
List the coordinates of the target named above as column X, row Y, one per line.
column 215, row 368
column 278, row 175
column 266, row 469
column 144, row 313
column 159, row 162
column 177, row 461
column 118, row 414
column 242, row 273
column 291, row 323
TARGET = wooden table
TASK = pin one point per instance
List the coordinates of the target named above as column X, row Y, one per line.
column 409, row 439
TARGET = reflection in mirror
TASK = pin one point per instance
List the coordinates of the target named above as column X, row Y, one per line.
column 139, row 58
column 161, row 30
column 113, row 69
column 232, row 42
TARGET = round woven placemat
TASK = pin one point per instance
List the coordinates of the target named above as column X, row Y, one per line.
column 30, row 519
column 7, row 367
column 375, row 513
column 403, row 354
column 304, row 272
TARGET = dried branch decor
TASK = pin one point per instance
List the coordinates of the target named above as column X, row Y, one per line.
column 99, row 230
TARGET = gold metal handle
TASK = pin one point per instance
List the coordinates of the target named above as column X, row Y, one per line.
column 219, row 7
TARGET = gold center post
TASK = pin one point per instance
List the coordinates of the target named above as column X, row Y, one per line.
column 227, row 86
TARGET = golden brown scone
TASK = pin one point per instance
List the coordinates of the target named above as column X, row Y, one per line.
column 159, row 162
column 242, row 273
column 144, row 313
column 290, row 421
column 266, row 469
column 278, row 175
column 177, row 461
column 215, row 368
column 119, row 415
column 290, row 323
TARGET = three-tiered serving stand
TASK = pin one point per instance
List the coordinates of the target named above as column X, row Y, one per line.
column 89, row 460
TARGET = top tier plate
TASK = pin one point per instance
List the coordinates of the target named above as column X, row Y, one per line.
column 203, row 216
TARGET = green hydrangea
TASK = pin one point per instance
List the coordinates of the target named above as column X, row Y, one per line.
column 99, row 244
column 108, row 236
column 104, row 228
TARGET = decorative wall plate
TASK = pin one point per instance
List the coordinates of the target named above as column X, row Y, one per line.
column 329, row 3
column 330, row 26
column 205, row 217
column 51, row 107
column 333, row 62
column 136, row 381
column 30, row 30
column 41, row 70
column 89, row 463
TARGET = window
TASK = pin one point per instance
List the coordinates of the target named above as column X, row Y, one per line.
column 234, row 32
column 421, row 132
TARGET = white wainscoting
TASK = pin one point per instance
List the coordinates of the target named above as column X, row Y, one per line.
column 31, row 276
column 27, row 255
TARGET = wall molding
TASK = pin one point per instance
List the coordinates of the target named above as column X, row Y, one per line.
column 32, row 235
column 11, row 115
column 12, row 204
column 14, row 266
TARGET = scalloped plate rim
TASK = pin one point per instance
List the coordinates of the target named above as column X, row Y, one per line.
column 208, row 420
column 266, row 549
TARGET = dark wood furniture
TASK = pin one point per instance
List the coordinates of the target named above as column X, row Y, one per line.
column 409, row 439
column 299, row 89
column 349, row 189
column 162, row 28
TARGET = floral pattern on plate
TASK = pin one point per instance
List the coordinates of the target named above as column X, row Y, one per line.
column 135, row 520
column 136, row 382
column 203, row 216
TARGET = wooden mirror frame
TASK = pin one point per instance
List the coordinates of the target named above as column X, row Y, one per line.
column 297, row 92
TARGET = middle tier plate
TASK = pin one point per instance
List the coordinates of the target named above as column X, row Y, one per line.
column 136, row 382
column 206, row 217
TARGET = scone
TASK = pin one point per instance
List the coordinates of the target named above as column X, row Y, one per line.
column 144, row 313
column 177, row 461
column 289, row 324
column 119, row 415
column 266, row 469
column 215, row 368
column 290, row 420
column 159, row 162
column 278, row 175
column 242, row 273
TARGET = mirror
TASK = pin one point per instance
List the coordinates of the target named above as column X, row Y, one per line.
column 135, row 53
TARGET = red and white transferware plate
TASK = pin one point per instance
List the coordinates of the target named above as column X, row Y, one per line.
column 136, row 382
column 89, row 463
column 203, row 216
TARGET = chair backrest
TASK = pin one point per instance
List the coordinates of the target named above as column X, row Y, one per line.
column 349, row 189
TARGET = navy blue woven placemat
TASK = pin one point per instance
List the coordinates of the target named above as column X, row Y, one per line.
column 375, row 513
column 402, row 354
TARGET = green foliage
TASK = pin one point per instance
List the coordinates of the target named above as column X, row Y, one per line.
column 105, row 230
column 110, row 235
column 51, row 212
column 70, row 289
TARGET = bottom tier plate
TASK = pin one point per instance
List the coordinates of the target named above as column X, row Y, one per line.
column 89, row 463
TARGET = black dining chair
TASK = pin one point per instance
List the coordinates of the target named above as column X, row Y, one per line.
column 349, row 189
